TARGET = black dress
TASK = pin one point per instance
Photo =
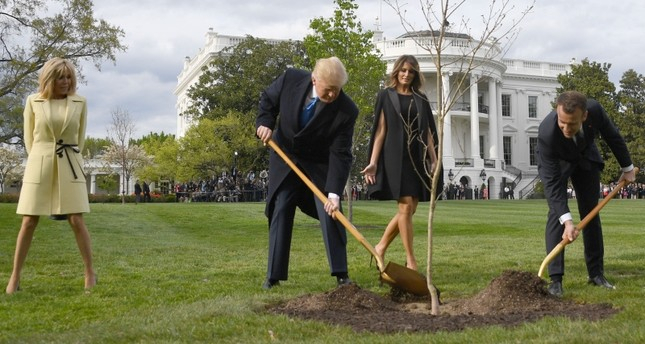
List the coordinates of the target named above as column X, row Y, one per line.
column 400, row 170
column 410, row 171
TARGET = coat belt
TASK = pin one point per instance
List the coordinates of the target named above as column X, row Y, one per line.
column 63, row 148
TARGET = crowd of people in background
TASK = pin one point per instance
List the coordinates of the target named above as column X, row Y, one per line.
column 227, row 187
column 253, row 188
column 631, row 191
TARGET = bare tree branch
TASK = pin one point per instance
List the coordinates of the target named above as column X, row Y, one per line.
column 454, row 49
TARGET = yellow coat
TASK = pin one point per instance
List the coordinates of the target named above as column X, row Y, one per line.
column 54, row 182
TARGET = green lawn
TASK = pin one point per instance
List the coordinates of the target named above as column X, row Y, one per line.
column 192, row 272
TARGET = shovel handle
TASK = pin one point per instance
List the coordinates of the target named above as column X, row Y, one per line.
column 339, row 216
column 581, row 225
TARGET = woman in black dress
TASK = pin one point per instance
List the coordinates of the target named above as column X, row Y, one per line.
column 402, row 152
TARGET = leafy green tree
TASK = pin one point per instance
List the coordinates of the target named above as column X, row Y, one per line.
column 208, row 148
column 229, row 89
column 163, row 149
column 343, row 36
column 94, row 147
column 29, row 39
column 154, row 138
column 109, row 183
column 235, row 78
column 592, row 80
column 632, row 119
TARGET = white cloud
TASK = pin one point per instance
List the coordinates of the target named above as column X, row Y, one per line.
column 160, row 34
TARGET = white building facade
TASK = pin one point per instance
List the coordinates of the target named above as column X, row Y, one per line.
column 490, row 133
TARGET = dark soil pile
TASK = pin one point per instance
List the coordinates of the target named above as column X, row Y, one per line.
column 510, row 299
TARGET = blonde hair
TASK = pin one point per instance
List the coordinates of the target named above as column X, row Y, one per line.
column 52, row 70
column 331, row 70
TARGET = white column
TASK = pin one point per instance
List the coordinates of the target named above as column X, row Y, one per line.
column 474, row 120
column 493, row 117
column 449, row 161
column 93, row 183
column 500, row 129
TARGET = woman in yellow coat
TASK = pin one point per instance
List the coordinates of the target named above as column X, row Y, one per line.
column 54, row 183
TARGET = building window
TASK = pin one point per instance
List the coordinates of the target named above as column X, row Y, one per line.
column 508, row 151
column 532, row 106
column 481, row 146
column 532, row 148
column 506, row 105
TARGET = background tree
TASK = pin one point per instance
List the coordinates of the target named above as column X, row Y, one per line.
column 204, row 155
column 238, row 74
column 108, row 182
column 498, row 28
column 121, row 152
column 10, row 165
column 631, row 121
column 592, row 80
column 31, row 35
column 343, row 36
column 94, row 147
column 163, row 149
column 230, row 87
column 11, row 108
column 154, row 138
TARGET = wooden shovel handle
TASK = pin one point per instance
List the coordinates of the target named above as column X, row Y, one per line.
column 339, row 216
column 559, row 247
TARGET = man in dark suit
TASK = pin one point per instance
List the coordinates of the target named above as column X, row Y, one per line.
column 146, row 192
column 320, row 146
column 566, row 149
column 137, row 192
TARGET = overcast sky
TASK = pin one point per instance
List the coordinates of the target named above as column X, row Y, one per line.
column 161, row 33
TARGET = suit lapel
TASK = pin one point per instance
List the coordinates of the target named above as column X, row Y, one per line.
column 73, row 102
column 45, row 109
column 301, row 94
column 394, row 98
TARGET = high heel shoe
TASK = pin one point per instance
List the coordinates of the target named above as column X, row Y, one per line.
column 381, row 255
column 371, row 260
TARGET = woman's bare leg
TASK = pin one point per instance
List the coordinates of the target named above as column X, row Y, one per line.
column 23, row 243
column 391, row 231
column 407, row 207
column 85, row 246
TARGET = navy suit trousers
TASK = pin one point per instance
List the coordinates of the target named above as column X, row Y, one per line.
column 281, row 224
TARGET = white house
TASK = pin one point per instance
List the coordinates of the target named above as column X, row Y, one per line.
column 490, row 133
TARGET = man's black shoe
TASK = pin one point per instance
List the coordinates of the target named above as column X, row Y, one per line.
column 343, row 280
column 270, row 283
column 601, row 281
column 555, row 289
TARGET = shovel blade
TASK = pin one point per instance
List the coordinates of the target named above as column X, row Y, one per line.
column 405, row 279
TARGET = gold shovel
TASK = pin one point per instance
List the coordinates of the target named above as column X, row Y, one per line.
column 393, row 274
column 559, row 247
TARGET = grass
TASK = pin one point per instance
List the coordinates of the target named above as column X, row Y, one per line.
column 178, row 273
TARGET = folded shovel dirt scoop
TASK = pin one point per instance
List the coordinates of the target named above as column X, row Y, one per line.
column 559, row 247
column 393, row 274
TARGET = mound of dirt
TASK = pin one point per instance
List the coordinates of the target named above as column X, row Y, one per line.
column 513, row 298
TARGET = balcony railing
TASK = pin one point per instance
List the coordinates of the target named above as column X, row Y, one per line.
column 464, row 162
column 462, row 106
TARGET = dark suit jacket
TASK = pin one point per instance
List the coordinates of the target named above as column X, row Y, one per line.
column 557, row 154
column 388, row 182
column 322, row 149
